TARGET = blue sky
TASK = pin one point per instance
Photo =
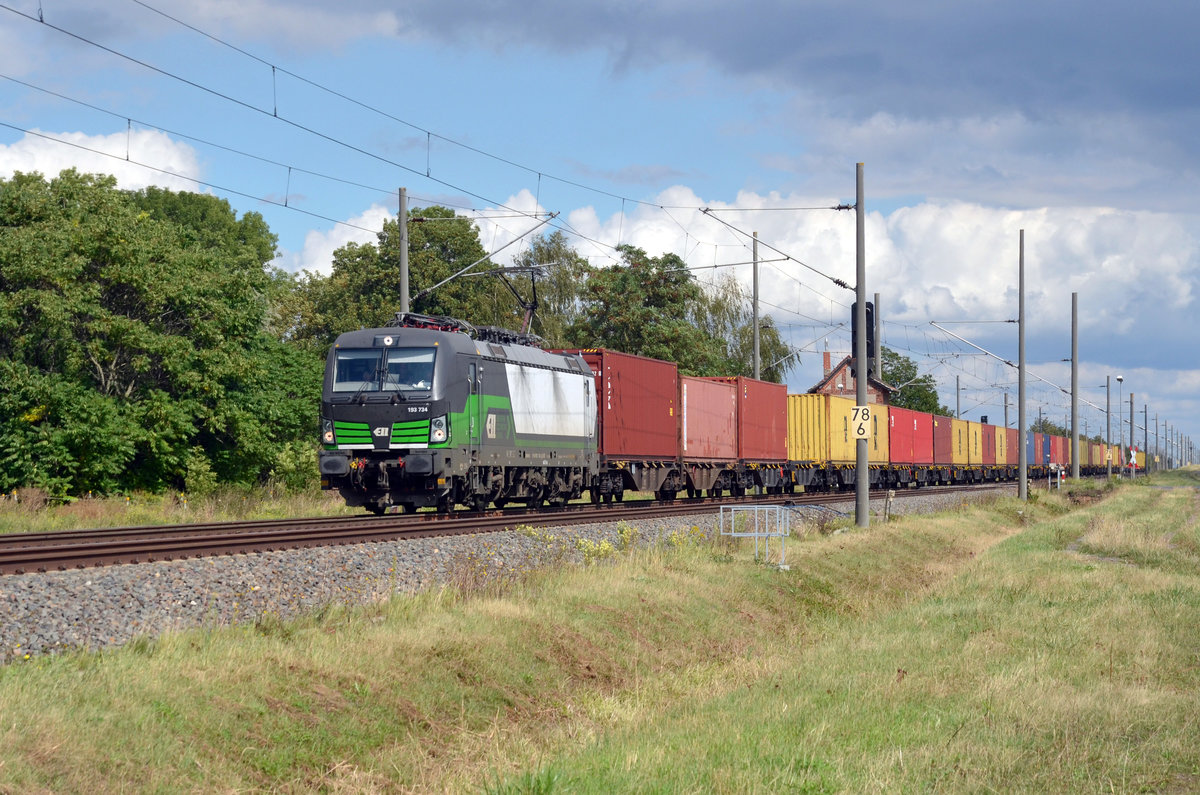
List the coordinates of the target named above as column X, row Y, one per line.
column 1073, row 121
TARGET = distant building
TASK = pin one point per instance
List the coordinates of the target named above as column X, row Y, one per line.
column 838, row 381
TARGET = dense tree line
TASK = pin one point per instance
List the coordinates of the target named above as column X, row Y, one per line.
column 146, row 341
column 133, row 343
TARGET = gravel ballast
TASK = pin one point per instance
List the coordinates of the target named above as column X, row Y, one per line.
column 103, row 608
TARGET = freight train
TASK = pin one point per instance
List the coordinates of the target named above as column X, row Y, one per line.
column 433, row 412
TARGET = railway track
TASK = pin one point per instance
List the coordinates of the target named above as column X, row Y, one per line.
column 22, row 553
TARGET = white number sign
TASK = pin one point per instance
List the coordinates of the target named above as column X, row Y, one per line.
column 860, row 418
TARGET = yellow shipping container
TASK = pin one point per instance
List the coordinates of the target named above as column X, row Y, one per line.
column 807, row 428
column 843, row 448
column 1001, row 446
column 975, row 444
column 959, row 431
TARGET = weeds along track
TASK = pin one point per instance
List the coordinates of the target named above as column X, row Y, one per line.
column 22, row 553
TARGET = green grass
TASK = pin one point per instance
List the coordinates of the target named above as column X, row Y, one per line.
column 1040, row 646
column 28, row 511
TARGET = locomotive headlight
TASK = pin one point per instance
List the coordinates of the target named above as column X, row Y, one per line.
column 437, row 429
column 327, row 431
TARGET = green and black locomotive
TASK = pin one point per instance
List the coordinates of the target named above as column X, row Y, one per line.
column 430, row 411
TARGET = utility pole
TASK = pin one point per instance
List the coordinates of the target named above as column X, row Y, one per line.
column 756, row 360
column 402, row 223
column 1146, row 436
column 957, row 398
column 1006, row 410
column 1132, row 439
column 1108, row 423
column 862, row 481
column 1075, row 386
column 1022, row 455
column 1120, row 426
column 1157, row 447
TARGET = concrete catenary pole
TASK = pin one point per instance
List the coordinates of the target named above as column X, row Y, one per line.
column 1146, row 435
column 862, row 481
column 1108, row 423
column 1157, row 448
column 1022, row 455
column 1132, row 438
column 402, row 223
column 756, row 359
column 1075, row 386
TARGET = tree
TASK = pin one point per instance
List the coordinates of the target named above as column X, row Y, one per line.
column 363, row 289
column 727, row 313
column 561, row 277
column 133, row 342
column 913, row 391
column 1044, row 425
column 649, row 306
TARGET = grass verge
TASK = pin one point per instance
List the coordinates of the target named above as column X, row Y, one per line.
column 30, row 511
column 1006, row 646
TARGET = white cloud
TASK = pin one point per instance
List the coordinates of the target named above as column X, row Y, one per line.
column 51, row 152
column 1137, row 275
column 317, row 254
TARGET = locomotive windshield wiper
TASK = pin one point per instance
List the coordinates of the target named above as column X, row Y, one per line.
column 397, row 393
column 376, row 377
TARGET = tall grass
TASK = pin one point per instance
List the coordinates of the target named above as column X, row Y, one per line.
column 1011, row 646
column 29, row 510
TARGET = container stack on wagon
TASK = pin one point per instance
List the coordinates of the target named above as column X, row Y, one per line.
column 666, row 433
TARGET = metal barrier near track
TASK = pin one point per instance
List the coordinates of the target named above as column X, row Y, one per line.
column 758, row 522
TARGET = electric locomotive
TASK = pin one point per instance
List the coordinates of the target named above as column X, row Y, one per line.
column 433, row 412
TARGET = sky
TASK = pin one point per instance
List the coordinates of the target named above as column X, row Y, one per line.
column 684, row 128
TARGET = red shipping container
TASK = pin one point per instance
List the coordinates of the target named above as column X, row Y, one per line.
column 901, row 428
column 923, row 438
column 1058, row 453
column 761, row 419
column 943, row 440
column 915, row 431
column 637, row 401
column 989, row 444
column 1014, row 438
column 707, row 419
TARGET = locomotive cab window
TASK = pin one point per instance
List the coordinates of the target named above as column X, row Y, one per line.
column 389, row 370
column 409, row 368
